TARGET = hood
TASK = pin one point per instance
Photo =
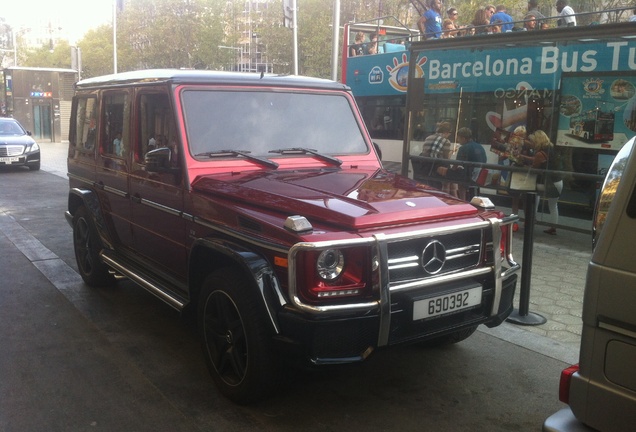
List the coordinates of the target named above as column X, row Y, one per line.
column 346, row 198
column 16, row 140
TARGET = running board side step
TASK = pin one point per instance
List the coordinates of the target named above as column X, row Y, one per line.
column 152, row 287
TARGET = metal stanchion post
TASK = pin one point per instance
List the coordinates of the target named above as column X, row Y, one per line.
column 522, row 315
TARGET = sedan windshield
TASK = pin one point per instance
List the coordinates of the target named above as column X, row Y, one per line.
column 10, row 128
column 260, row 121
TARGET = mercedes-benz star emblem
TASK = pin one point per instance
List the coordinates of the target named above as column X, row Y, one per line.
column 433, row 257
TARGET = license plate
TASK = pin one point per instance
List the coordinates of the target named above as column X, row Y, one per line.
column 447, row 303
column 9, row 159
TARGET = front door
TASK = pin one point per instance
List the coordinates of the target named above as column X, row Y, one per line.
column 159, row 229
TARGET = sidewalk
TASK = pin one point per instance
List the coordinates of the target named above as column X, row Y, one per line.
column 559, row 266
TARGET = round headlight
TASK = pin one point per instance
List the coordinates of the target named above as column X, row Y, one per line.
column 330, row 264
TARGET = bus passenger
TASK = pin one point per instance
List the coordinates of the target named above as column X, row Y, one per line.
column 430, row 23
column 566, row 14
column 358, row 47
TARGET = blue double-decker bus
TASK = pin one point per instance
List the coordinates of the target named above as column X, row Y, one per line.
column 497, row 82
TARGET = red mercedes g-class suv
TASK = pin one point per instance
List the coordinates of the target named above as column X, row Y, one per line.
column 259, row 203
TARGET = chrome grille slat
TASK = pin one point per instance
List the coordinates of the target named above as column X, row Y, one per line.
column 11, row 150
column 463, row 252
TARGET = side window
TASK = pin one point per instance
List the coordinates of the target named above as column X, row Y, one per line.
column 84, row 134
column 157, row 127
column 115, row 115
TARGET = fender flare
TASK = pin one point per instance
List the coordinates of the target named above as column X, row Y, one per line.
column 85, row 197
column 258, row 270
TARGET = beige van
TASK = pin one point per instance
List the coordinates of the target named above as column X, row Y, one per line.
column 601, row 389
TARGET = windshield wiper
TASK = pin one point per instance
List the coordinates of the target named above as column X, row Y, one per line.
column 302, row 150
column 245, row 153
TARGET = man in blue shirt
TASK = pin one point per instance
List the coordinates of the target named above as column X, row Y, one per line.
column 469, row 151
column 505, row 19
column 430, row 23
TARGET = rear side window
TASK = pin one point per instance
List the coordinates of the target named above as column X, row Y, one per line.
column 84, row 135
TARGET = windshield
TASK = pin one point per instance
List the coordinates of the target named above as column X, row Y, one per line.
column 10, row 128
column 256, row 122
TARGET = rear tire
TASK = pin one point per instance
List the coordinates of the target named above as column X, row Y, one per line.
column 236, row 337
column 87, row 246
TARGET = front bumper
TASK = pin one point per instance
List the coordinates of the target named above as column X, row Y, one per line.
column 350, row 332
column 23, row 160
column 345, row 339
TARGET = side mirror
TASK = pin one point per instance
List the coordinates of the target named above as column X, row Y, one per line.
column 158, row 160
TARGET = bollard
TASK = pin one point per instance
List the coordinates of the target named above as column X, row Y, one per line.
column 523, row 316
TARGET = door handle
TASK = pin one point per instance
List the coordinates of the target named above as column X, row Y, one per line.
column 136, row 198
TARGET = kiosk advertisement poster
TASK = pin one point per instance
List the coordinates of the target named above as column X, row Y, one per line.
column 597, row 111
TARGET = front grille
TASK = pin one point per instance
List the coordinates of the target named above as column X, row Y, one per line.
column 11, row 150
column 459, row 250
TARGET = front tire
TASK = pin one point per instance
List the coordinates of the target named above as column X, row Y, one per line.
column 236, row 337
column 87, row 247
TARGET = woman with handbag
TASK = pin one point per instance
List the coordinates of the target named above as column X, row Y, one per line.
column 549, row 185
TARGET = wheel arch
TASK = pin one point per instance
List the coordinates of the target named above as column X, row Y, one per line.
column 85, row 197
column 208, row 255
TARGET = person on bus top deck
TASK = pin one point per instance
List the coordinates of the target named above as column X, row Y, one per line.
column 448, row 29
column 481, row 22
column 530, row 22
column 533, row 10
column 430, row 23
column 373, row 47
column 358, row 47
column 566, row 14
column 490, row 11
column 506, row 20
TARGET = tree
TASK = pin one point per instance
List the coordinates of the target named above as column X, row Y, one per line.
column 6, row 45
column 45, row 57
column 97, row 52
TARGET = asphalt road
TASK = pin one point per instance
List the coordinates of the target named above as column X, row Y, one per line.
column 75, row 358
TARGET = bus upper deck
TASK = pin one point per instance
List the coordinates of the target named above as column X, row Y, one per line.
column 536, row 79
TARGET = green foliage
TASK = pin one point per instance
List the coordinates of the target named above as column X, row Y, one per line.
column 97, row 52
column 59, row 57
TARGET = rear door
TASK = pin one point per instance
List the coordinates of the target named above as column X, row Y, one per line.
column 113, row 165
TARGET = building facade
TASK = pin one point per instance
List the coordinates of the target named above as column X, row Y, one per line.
column 40, row 99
